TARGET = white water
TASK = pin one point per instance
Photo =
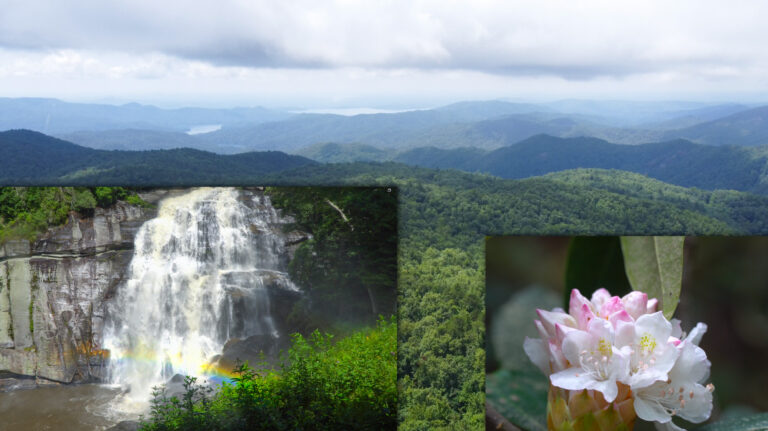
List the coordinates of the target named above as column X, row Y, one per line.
column 197, row 279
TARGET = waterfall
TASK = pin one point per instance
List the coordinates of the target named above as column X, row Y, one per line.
column 199, row 276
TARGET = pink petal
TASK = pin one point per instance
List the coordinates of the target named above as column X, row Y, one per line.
column 636, row 303
column 620, row 316
column 550, row 318
column 561, row 331
column 600, row 296
column 584, row 316
column 577, row 303
column 612, row 305
column 653, row 304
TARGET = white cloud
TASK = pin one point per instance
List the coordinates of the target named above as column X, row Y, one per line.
column 597, row 45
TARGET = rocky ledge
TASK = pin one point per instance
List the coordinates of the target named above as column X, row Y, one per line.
column 52, row 294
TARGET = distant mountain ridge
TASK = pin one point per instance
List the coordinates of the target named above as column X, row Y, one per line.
column 746, row 128
column 34, row 158
column 677, row 162
column 52, row 116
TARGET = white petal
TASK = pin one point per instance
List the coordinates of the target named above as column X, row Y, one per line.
column 607, row 387
column 696, row 333
column 601, row 329
column 558, row 359
column 645, row 378
column 666, row 355
column 655, row 325
column 650, row 410
column 699, row 408
column 572, row 379
column 576, row 341
column 677, row 330
column 619, row 367
column 625, row 333
column 692, row 365
column 537, row 352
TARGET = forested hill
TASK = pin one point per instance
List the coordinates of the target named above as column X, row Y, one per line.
column 34, row 158
column 678, row 162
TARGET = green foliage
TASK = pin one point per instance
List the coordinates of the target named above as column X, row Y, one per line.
column 349, row 266
column 520, row 396
column 756, row 422
column 320, row 386
column 25, row 212
column 341, row 153
column 654, row 265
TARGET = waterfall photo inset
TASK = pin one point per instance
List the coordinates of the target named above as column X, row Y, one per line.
column 632, row 332
column 200, row 308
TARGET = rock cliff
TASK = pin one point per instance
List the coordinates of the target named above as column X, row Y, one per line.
column 52, row 293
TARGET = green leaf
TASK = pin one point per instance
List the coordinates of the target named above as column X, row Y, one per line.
column 595, row 262
column 520, row 396
column 749, row 423
column 515, row 320
column 654, row 265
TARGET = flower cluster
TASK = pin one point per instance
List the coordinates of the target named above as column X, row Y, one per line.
column 610, row 344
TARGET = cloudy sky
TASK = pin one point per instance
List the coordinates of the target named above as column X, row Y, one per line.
column 382, row 53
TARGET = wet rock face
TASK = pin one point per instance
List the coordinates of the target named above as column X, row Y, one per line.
column 52, row 294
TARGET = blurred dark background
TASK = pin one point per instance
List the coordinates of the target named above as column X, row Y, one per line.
column 725, row 285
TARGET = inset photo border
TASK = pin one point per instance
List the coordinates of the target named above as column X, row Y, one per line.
column 605, row 329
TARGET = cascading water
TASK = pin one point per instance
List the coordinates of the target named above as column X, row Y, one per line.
column 198, row 278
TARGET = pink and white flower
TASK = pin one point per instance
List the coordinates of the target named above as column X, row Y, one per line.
column 595, row 362
column 609, row 345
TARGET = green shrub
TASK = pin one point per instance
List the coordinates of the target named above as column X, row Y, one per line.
column 320, row 386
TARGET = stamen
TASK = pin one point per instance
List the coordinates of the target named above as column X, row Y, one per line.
column 691, row 394
column 681, row 389
column 710, row 387
column 682, row 404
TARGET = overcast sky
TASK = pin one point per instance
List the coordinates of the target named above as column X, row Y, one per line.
column 382, row 53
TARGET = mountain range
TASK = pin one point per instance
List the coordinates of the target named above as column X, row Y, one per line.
column 487, row 125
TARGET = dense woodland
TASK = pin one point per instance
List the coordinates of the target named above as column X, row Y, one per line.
column 349, row 266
